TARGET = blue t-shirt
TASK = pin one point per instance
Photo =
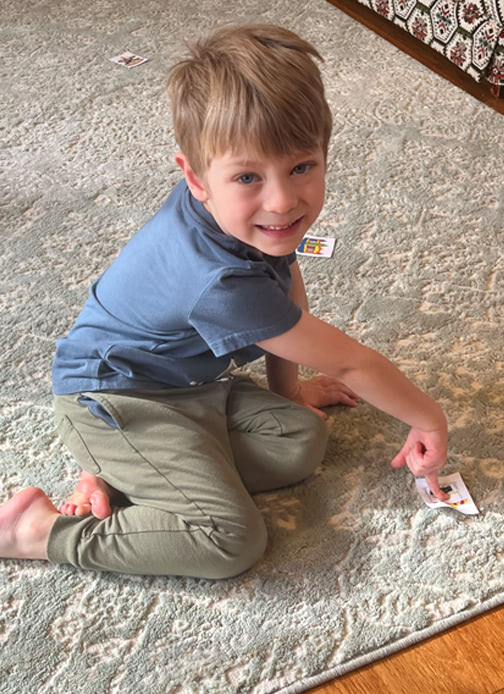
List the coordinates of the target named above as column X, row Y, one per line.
column 181, row 304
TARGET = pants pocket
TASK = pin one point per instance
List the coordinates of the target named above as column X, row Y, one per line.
column 76, row 445
column 104, row 406
column 98, row 410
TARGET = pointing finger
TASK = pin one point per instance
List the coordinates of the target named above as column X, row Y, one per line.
column 432, row 480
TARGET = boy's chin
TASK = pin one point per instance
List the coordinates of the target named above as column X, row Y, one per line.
column 277, row 250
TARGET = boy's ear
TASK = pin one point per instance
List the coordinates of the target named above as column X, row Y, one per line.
column 194, row 182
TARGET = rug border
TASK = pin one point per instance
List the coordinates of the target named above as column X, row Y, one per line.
column 411, row 640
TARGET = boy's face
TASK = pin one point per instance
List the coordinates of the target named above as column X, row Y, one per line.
column 268, row 202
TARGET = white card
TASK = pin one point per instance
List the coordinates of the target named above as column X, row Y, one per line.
column 460, row 499
column 129, row 60
column 318, row 246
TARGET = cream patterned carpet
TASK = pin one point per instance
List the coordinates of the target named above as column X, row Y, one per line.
column 356, row 567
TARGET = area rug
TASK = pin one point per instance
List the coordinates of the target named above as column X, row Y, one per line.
column 357, row 566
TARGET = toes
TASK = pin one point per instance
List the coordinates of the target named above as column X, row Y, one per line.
column 83, row 510
column 72, row 509
column 67, row 509
column 100, row 506
column 87, row 498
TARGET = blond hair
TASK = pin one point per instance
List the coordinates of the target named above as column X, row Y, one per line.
column 254, row 85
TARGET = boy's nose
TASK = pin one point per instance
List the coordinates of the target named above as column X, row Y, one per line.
column 280, row 198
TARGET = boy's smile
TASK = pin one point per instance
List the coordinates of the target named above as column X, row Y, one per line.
column 275, row 231
column 268, row 202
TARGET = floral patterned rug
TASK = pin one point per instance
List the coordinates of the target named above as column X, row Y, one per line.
column 357, row 566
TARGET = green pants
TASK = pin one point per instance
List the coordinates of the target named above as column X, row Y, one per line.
column 186, row 461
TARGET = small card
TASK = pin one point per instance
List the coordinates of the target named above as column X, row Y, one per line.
column 318, row 246
column 460, row 499
column 129, row 59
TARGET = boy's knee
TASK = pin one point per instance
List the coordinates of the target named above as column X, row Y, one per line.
column 310, row 444
column 317, row 435
column 238, row 550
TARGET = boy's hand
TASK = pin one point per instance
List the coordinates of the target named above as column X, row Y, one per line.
column 322, row 391
column 425, row 453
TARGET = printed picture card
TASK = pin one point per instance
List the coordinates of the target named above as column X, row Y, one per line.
column 460, row 499
column 129, row 60
column 318, row 246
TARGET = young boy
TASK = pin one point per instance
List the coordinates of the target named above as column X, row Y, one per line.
column 171, row 444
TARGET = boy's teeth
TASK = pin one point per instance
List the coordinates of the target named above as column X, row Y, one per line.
column 274, row 228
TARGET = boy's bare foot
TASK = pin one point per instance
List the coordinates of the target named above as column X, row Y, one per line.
column 91, row 495
column 25, row 523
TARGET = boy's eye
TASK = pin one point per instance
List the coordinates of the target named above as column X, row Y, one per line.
column 247, row 178
column 301, row 168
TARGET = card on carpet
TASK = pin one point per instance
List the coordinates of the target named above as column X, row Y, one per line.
column 460, row 499
column 128, row 59
column 318, row 246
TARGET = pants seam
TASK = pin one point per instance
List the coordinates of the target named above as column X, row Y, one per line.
column 158, row 530
column 279, row 424
column 161, row 474
column 143, row 532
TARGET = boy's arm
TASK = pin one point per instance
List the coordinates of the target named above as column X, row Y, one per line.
column 298, row 292
column 324, row 348
column 282, row 374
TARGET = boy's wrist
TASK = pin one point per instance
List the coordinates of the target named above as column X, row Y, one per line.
column 286, row 390
column 282, row 376
column 437, row 421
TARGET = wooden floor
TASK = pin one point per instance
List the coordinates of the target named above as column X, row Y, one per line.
column 468, row 659
column 418, row 50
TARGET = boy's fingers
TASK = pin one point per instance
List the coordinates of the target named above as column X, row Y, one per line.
column 432, row 480
column 349, row 393
column 335, row 386
column 399, row 460
column 345, row 399
column 321, row 413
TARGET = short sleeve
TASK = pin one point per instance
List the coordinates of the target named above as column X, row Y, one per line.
column 292, row 257
column 240, row 308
